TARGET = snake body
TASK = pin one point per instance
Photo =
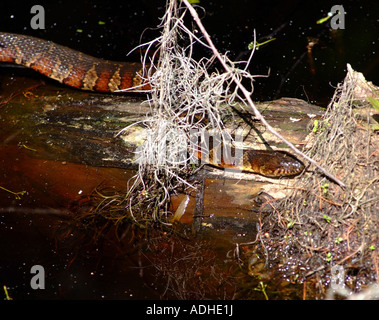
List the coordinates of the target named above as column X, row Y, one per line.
column 85, row 72
column 69, row 66
column 269, row 163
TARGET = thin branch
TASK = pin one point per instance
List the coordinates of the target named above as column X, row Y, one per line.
column 248, row 98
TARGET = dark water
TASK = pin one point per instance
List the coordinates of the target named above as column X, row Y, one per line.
column 292, row 23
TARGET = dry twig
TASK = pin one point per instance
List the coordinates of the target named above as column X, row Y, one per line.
column 246, row 94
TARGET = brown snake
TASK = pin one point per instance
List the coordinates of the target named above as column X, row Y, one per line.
column 269, row 163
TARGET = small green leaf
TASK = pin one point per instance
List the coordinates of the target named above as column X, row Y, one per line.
column 374, row 127
column 338, row 240
column 324, row 188
column 315, row 126
column 324, row 19
column 262, row 288
column 7, row 297
column 373, row 102
column 257, row 44
column 16, row 194
column 290, row 224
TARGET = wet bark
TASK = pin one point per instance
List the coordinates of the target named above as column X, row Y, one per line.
column 76, row 127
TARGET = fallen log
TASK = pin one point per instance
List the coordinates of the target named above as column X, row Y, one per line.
column 82, row 128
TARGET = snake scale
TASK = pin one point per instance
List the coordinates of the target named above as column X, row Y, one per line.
column 78, row 70
column 69, row 66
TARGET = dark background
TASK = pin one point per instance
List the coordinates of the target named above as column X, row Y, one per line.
column 231, row 24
